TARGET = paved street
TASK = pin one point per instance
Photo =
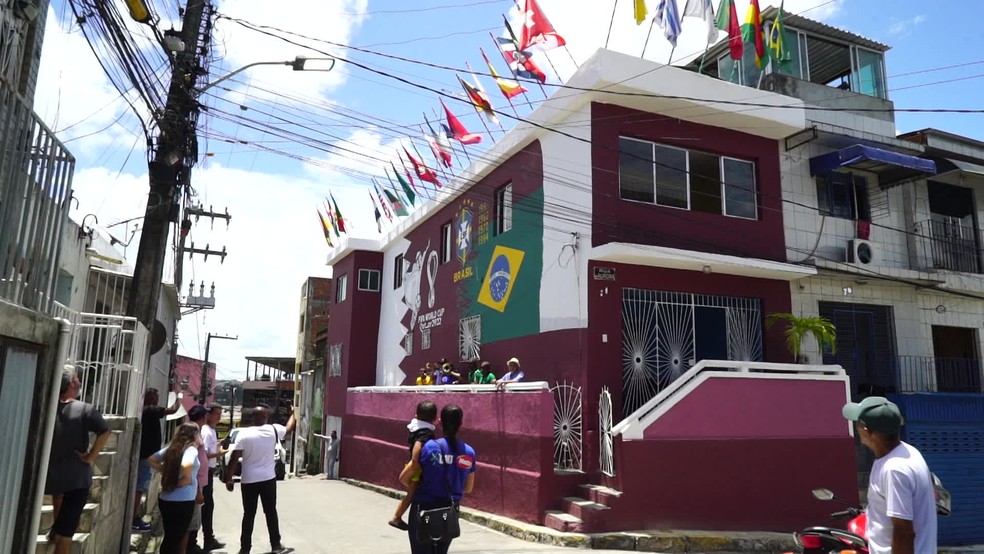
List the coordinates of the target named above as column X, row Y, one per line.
column 318, row 516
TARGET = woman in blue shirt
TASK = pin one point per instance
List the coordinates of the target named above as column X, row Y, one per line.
column 178, row 465
column 447, row 467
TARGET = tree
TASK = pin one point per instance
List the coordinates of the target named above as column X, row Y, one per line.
column 821, row 328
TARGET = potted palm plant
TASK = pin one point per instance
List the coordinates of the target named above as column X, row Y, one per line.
column 798, row 327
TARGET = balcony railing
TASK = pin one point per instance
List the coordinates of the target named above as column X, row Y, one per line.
column 35, row 188
column 951, row 246
column 931, row 374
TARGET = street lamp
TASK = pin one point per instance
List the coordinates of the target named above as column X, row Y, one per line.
column 297, row 64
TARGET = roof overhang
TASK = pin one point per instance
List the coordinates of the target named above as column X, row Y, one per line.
column 891, row 167
column 958, row 172
column 690, row 260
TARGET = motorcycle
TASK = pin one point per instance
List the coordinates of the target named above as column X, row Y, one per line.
column 828, row 540
column 823, row 540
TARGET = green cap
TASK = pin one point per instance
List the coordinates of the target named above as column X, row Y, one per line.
column 876, row 413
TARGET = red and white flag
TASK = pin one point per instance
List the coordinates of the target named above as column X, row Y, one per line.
column 458, row 131
column 423, row 172
column 537, row 30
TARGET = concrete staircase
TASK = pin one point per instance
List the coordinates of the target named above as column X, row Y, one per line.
column 585, row 513
column 100, row 523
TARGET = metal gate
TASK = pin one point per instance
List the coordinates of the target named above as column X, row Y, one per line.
column 949, row 431
column 606, row 448
column 567, row 427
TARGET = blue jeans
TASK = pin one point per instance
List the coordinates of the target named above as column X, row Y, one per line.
column 143, row 475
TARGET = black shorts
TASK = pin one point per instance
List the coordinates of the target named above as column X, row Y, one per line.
column 70, row 513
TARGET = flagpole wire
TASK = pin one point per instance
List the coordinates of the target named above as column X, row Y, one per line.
column 649, row 34
column 557, row 73
column 611, row 23
column 670, row 60
column 568, row 50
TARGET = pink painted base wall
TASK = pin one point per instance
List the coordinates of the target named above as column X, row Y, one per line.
column 739, row 454
column 512, row 433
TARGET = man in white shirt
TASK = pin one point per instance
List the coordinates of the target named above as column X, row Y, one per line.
column 256, row 446
column 901, row 499
column 211, row 440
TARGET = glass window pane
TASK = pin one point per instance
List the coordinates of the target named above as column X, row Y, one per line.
column 507, row 208
column 671, row 177
column 792, row 66
column 869, row 78
column 705, row 182
column 635, row 170
column 749, row 73
column 739, row 188
column 728, row 70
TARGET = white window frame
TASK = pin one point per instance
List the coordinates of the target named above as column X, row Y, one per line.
column 722, row 189
column 341, row 289
column 503, row 209
column 370, row 273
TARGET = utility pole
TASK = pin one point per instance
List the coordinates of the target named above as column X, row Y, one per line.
column 205, row 382
column 176, row 152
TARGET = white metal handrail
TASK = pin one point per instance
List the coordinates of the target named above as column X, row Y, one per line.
column 109, row 353
column 534, row 386
column 719, row 366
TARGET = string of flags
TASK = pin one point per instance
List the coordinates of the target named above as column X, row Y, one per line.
column 537, row 35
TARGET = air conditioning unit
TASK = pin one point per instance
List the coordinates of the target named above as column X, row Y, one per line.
column 861, row 252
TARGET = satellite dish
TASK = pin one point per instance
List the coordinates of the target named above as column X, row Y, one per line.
column 158, row 337
column 181, row 409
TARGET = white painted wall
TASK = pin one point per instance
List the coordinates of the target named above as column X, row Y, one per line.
column 389, row 348
column 567, row 184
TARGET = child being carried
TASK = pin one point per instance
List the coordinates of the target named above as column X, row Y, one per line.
column 421, row 430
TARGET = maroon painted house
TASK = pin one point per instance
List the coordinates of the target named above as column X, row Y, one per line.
column 628, row 261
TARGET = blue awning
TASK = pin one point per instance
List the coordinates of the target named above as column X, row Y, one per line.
column 868, row 158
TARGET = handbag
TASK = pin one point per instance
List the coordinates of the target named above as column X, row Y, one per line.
column 440, row 524
column 279, row 469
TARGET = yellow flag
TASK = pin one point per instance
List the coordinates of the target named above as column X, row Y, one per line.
column 500, row 277
column 640, row 11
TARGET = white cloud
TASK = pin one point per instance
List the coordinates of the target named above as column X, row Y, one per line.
column 905, row 27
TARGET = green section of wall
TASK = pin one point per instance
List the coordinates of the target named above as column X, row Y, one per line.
column 511, row 285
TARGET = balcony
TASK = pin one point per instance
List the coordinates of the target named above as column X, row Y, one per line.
column 931, row 374
column 949, row 246
column 35, row 188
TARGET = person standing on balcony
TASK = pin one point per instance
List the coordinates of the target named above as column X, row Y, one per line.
column 70, row 465
column 901, row 498
column 257, row 447
column 150, row 442
column 514, row 375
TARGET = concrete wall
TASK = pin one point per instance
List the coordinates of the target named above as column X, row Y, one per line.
column 738, row 453
column 112, row 515
column 511, row 432
column 832, row 97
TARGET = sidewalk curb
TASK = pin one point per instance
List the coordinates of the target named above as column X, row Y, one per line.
column 644, row 541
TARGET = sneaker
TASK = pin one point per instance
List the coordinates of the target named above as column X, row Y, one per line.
column 140, row 526
column 194, row 549
column 212, row 544
column 279, row 548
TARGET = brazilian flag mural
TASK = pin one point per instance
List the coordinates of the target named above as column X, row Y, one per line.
column 501, row 272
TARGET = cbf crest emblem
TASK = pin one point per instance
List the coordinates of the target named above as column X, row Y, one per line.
column 465, row 232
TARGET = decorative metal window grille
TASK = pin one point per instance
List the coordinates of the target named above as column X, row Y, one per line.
column 408, row 343
column 425, row 339
column 335, row 360
column 470, row 338
column 567, row 426
column 663, row 332
column 606, row 448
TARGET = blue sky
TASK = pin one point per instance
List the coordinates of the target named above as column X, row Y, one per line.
column 274, row 240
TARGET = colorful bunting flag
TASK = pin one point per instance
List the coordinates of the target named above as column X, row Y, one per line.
column 376, row 214
column 520, row 60
column 703, row 9
column 457, row 131
column 727, row 20
column 404, row 185
column 423, row 172
column 338, row 214
column 441, row 142
column 508, row 87
column 395, row 201
column 668, row 17
column 778, row 48
column 382, row 201
column 537, row 30
column 753, row 32
column 640, row 11
column 325, row 227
